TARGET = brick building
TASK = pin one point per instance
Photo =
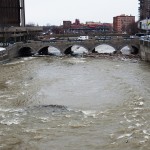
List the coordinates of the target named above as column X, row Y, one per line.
column 87, row 28
column 120, row 23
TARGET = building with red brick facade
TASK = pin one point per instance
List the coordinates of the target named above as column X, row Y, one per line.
column 120, row 23
column 88, row 27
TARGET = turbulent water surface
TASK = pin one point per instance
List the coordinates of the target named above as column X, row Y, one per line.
column 74, row 104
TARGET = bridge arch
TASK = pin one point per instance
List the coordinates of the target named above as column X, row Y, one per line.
column 68, row 50
column 45, row 50
column 77, row 47
column 135, row 49
column 125, row 49
column 25, row 52
column 113, row 48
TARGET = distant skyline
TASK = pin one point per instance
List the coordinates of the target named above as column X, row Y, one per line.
column 54, row 12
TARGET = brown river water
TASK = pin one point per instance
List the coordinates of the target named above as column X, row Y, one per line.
column 50, row 103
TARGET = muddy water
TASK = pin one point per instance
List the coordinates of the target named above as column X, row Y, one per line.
column 74, row 104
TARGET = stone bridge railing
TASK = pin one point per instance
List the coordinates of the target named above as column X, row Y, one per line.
column 36, row 46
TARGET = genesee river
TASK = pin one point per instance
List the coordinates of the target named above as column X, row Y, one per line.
column 49, row 103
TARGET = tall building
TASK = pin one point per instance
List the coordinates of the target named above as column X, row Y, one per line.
column 120, row 23
column 22, row 13
column 144, row 9
column 12, row 13
column 12, row 23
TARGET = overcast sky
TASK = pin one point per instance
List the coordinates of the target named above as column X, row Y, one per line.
column 53, row 12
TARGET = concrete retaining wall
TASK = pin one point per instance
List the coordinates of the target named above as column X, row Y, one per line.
column 4, row 55
column 145, row 50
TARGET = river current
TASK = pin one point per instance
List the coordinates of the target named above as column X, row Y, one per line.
column 56, row 103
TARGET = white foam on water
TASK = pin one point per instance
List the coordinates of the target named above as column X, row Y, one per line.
column 11, row 110
column 4, row 96
column 146, row 137
column 9, row 82
column 30, row 130
column 127, row 119
column 68, row 116
column 44, row 119
column 76, row 60
column 138, row 124
column 89, row 113
column 113, row 143
column 140, row 98
column 125, row 135
column 141, row 103
column 14, row 63
column 145, row 132
column 12, row 97
column 11, row 121
column 138, row 108
column 142, row 142
column 77, row 124
column 28, row 58
column 117, row 65
column 131, row 127
column 26, row 84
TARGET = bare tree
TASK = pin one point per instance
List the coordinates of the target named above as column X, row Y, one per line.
column 132, row 28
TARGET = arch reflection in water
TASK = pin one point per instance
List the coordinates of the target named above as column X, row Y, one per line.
column 78, row 50
column 126, row 50
column 104, row 48
column 54, row 51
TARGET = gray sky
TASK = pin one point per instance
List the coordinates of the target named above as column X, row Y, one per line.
column 53, row 12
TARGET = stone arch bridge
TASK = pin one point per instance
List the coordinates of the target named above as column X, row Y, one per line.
column 34, row 47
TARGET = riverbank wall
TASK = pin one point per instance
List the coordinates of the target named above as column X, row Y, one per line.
column 4, row 55
column 145, row 50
